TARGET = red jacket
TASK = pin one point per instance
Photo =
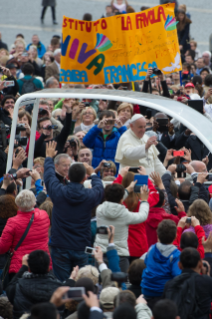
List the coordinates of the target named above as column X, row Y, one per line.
column 156, row 215
column 37, row 237
column 200, row 234
column 137, row 239
column 37, row 135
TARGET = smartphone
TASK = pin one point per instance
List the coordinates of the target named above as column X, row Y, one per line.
column 178, row 153
column 188, row 220
column 134, row 169
column 75, row 293
column 141, row 180
column 9, row 83
column 89, row 250
column 102, row 230
column 28, row 172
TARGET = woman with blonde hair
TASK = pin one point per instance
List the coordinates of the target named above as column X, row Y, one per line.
column 34, row 55
column 202, row 212
column 87, row 117
column 36, row 237
column 125, row 112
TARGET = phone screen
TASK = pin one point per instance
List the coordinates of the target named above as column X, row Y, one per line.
column 76, row 293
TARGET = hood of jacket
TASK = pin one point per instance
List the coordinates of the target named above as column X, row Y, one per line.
column 75, row 193
column 155, row 216
column 110, row 210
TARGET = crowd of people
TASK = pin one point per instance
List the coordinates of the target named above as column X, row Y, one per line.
column 117, row 222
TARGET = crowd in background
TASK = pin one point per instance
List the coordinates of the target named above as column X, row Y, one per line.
column 150, row 242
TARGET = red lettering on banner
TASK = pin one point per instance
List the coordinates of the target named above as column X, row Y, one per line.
column 64, row 23
column 103, row 24
column 81, row 24
column 88, row 26
column 128, row 25
column 70, row 21
column 143, row 20
column 96, row 25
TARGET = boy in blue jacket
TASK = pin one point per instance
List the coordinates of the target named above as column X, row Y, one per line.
column 161, row 261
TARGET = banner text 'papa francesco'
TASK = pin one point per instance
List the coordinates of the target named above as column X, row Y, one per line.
column 120, row 48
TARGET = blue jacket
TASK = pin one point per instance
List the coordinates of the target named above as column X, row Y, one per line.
column 71, row 213
column 40, row 48
column 103, row 149
column 161, row 265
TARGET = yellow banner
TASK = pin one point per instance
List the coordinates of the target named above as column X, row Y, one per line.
column 120, row 48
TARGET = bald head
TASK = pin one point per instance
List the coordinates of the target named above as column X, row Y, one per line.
column 139, row 127
column 199, row 166
column 160, row 115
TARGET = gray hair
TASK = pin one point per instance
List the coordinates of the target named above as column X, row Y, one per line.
column 207, row 52
column 55, row 112
column 57, row 51
column 59, row 156
column 25, row 200
column 50, row 81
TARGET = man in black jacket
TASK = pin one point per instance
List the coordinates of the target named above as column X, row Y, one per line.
column 34, row 283
column 193, row 269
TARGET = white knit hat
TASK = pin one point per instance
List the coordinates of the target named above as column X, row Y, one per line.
column 136, row 117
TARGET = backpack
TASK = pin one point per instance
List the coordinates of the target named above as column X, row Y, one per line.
column 28, row 86
column 181, row 290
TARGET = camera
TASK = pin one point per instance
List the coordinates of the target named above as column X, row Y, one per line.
column 20, row 128
column 41, row 111
column 20, row 141
column 102, row 230
column 51, row 127
column 87, row 104
column 181, row 169
column 119, row 277
column 156, row 71
column 106, row 164
column 73, row 143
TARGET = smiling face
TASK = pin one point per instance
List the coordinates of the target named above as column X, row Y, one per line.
column 9, row 104
column 85, row 156
column 125, row 113
column 63, row 166
column 88, row 116
column 139, row 127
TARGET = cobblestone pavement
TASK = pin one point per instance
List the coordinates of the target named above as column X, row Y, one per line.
column 24, row 16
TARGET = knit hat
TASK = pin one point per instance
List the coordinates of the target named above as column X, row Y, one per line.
column 136, row 117
column 87, row 283
column 107, row 296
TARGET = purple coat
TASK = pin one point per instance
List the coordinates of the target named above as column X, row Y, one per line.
column 207, row 229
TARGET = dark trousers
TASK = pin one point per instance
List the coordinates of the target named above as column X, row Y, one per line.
column 64, row 260
column 123, row 262
column 44, row 11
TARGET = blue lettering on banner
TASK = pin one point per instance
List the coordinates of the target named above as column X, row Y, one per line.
column 73, row 76
column 129, row 73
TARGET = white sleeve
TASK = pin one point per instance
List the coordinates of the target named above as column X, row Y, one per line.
column 159, row 167
column 134, row 153
column 143, row 311
column 140, row 217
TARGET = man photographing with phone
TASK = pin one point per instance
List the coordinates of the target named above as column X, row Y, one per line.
column 103, row 138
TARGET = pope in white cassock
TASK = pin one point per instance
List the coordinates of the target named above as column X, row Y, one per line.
column 137, row 149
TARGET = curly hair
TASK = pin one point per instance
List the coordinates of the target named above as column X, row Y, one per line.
column 8, row 207
column 89, row 272
column 201, row 211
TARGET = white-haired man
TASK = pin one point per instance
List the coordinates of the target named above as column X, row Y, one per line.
column 53, row 69
column 207, row 59
column 136, row 149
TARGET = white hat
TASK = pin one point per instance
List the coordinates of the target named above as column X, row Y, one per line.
column 136, row 117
